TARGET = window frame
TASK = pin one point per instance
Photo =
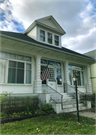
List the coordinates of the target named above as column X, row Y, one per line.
column 80, row 70
column 49, row 38
column 42, row 35
column 25, row 63
column 55, row 40
column 46, row 37
column 16, row 60
column 55, row 66
column 5, row 70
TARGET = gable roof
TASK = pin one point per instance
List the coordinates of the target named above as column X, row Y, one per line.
column 47, row 22
column 28, row 39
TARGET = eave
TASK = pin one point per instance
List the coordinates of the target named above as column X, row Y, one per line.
column 42, row 50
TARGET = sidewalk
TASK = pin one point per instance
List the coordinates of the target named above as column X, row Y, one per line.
column 87, row 114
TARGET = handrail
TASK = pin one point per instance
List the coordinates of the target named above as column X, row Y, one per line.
column 54, row 95
column 67, row 88
column 54, row 90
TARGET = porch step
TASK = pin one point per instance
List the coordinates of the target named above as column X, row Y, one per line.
column 66, row 95
column 73, row 109
column 66, row 106
column 65, row 101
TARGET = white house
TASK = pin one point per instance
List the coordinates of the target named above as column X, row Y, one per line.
column 25, row 55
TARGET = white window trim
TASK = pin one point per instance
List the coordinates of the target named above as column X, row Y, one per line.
column 7, row 68
column 80, row 76
column 46, row 38
column 54, row 66
column 49, row 38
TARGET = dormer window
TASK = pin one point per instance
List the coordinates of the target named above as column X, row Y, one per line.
column 49, row 38
column 42, row 35
column 56, row 40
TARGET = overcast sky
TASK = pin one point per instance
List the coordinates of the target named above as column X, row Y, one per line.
column 76, row 17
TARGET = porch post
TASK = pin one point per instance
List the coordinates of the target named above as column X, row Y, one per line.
column 66, row 74
column 89, row 87
column 38, row 82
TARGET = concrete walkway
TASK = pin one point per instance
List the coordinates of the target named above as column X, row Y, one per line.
column 87, row 114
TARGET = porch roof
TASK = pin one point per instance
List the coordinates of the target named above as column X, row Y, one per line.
column 24, row 37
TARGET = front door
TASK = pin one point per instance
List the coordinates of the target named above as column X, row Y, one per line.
column 52, row 81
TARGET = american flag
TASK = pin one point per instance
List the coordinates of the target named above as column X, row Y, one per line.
column 45, row 74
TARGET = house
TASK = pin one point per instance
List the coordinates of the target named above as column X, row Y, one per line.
column 25, row 55
column 92, row 69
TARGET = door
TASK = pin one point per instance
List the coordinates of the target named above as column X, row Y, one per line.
column 52, row 81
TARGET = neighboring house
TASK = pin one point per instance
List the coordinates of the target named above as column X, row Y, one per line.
column 92, row 69
column 25, row 55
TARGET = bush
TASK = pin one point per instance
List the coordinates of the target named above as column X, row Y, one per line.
column 3, row 115
column 47, row 108
column 3, row 96
column 92, row 99
column 13, row 104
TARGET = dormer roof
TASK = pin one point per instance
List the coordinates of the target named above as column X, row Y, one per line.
column 47, row 22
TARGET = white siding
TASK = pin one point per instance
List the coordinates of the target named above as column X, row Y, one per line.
column 16, row 88
column 48, row 23
column 32, row 33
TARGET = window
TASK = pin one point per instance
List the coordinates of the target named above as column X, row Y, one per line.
column 70, row 76
column 59, row 78
column 79, row 72
column 19, row 71
column 15, row 56
column 56, row 40
column 49, row 38
column 16, row 72
column 52, row 72
column 42, row 35
column 54, row 63
column 28, row 73
column 2, row 70
column 43, row 61
column 42, row 69
column 55, row 72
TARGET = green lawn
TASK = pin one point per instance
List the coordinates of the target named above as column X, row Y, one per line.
column 51, row 124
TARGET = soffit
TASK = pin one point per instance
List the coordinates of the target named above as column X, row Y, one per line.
column 39, row 50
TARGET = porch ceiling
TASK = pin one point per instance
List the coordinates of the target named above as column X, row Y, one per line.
column 7, row 43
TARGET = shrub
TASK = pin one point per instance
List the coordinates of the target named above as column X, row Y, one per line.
column 14, row 104
column 92, row 99
column 3, row 115
column 47, row 108
column 3, row 96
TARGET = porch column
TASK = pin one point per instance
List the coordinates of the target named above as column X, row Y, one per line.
column 89, row 87
column 66, row 74
column 38, row 82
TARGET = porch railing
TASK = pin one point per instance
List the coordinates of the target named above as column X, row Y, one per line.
column 54, row 95
column 71, row 90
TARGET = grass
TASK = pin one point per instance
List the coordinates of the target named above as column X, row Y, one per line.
column 51, row 124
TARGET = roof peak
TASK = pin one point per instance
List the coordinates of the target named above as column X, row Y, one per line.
column 48, row 22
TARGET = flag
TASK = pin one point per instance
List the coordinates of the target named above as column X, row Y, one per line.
column 45, row 74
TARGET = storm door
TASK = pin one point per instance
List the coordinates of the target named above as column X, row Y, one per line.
column 52, row 81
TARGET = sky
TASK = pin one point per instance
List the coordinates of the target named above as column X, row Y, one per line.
column 76, row 17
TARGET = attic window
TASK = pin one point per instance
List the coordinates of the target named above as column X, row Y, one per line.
column 49, row 38
column 56, row 40
column 42, row 35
